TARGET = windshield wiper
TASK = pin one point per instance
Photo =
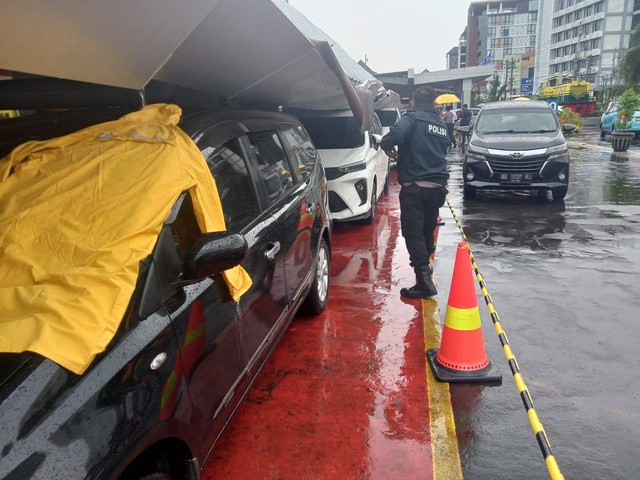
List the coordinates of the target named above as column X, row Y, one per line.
column 497, row 131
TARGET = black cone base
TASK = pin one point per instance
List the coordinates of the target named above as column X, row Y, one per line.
column 489, row 374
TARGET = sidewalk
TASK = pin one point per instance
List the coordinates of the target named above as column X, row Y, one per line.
column 345, row 394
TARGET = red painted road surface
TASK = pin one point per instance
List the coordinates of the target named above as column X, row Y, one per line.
column 344, row 395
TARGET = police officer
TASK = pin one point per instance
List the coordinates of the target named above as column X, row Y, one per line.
column 422, row 140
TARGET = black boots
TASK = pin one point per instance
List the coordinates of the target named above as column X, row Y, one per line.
column 424, row 287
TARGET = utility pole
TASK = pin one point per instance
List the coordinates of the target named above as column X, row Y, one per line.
column 513, row 61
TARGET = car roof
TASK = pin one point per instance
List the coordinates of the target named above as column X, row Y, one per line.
column 47, row 125
column 196, row 121
column 510, row 104
column 323, row 113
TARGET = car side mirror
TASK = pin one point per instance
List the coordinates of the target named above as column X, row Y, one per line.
column 212, row 253
column 568, row 127
column 375, row 140
column 465, row 129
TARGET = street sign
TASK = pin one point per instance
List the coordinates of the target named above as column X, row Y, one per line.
column 526, row 87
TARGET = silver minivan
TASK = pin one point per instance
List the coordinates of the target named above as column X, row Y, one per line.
column 517, row 146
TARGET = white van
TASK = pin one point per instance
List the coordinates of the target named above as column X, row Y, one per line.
column 356, row 168
column 389, row 117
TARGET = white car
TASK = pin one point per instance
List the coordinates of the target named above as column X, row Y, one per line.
column 388, row 117
column 356, row 168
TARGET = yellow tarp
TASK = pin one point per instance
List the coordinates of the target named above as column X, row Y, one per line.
column 77, row 215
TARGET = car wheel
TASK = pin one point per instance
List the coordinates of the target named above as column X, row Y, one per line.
column 385, row 189
column 602, row 133
column 559, row 193
column 316, row 300
column 374, row 203
column 469, row 192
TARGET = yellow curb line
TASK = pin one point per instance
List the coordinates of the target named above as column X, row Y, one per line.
column 444, row 443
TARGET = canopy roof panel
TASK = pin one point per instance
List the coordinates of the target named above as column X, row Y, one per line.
column 250, row 51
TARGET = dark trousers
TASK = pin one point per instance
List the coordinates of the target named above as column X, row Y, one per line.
column 419, row 208
column 452, row 139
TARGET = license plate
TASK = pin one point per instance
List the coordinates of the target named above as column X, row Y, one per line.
column 516, row 177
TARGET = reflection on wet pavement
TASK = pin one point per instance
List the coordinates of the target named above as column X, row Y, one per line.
column 344, row 395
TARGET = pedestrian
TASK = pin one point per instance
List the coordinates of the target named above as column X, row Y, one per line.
column 449, row 120
column 465, row 116
column 422, row 139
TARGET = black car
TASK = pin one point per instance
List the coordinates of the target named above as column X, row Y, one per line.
column 517, row 145
column 153, row 405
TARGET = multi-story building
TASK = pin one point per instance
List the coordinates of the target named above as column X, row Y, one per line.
column 584, row 39
column 462, row 49
column 500, row 32
column 497, row 29
column 453, row 58
column 581, row 39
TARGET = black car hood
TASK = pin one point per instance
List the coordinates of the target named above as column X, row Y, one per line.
column 517, row 141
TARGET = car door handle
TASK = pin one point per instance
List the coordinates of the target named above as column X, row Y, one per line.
column 311, row 207
column 274, row 248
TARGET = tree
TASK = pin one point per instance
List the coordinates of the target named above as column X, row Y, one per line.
column 630, row 65
column 496, row 91
column 627, row 105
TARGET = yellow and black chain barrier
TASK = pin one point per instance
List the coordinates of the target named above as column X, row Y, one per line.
column 538, row 429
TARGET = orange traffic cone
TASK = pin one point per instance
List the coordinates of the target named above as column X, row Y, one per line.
column 462, row 357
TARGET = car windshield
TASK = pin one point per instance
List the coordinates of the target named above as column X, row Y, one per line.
column 523, row 120
column 334, row 132
column 388, row 118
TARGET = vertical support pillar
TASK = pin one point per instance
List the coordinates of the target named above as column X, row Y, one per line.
column 467, row 84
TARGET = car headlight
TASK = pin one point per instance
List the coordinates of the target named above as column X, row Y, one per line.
column 475, row 152
column 352, row 167
column 557, row 152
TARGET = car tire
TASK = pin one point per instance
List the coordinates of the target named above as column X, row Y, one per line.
column 469, row 192
column 602, row 133
column 559, row 193
column 317, row 297
column 374, row 204
column 385, row 189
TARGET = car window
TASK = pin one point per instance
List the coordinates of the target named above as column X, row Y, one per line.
column 273, row 165
column 334, row 132
column 388, row 118
column 235, row 187
column 512, row 120
column 376, row 126
column 303, row 150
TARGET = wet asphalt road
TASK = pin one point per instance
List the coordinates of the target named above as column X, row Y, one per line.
column 564, row 280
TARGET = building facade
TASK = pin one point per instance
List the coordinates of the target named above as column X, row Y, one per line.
column 584, row 39
column 500, row 33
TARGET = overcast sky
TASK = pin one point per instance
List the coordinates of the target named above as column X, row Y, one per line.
column 394, row 35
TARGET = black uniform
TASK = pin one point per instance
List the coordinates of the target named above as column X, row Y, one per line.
column 422, row 140
column 465, row 117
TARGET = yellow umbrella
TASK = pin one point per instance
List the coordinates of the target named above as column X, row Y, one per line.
column 447, row 98
column 521, row 99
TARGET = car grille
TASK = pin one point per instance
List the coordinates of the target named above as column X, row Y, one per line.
column 332, row 173
column 512, row 165
column 336, row 204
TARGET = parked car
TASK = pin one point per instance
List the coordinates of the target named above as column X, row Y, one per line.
column 609, row 117
column 357, row 169
column 388, row 118
column 517, row 146
column 154, row 403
